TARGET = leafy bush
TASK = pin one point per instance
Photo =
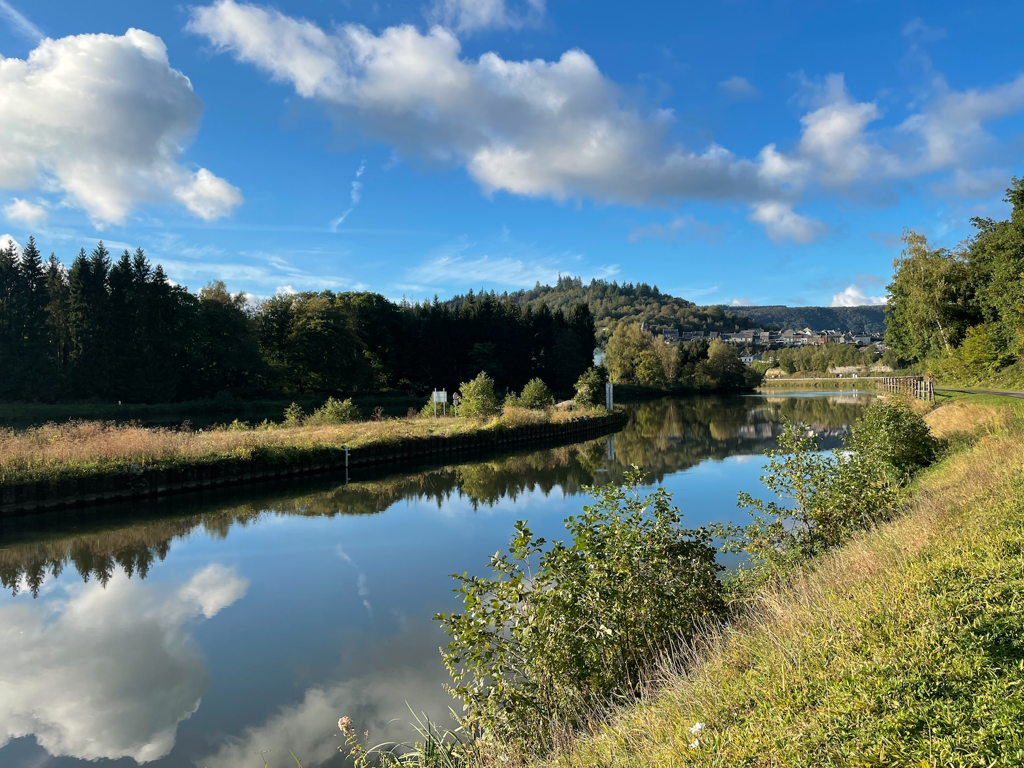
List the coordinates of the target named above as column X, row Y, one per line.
column 893, row 434
column 335, row 412
column 825, row 498
column 293, row 415
column 562, row 630
column 477, row 398
column 590, row 388
column 536, row 395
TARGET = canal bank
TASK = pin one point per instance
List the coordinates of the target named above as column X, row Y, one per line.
column 138, row 481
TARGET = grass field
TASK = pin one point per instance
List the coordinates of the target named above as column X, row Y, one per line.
column 904, row 648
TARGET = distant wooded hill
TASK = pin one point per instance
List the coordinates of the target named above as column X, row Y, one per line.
column 612, row 303
column 868, row 319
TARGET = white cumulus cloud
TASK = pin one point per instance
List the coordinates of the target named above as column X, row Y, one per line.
column 103, row 119
column 108, row 672
column 538, row 128
column 782, row 223
column 25, row 212
column 7, row 240
column 854, row 296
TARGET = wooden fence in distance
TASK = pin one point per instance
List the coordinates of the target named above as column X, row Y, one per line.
column 915, row 386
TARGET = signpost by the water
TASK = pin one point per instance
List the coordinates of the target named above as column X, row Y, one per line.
column 609, row 401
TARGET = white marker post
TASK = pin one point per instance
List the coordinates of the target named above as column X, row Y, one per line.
column 609, row 401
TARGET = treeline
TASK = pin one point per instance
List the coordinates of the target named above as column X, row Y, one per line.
column 613, row 304
column 822, row 358
column 960, row 312
column 634, row 355
column 120, row 330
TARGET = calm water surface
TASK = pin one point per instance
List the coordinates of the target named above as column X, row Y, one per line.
column 197, row 633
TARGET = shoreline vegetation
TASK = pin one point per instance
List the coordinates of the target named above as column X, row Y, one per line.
column 46, row 466
column 876, row 623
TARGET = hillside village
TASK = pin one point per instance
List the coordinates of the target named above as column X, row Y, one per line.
column 804, row 337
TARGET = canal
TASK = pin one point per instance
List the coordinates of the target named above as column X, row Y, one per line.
column 200, row 631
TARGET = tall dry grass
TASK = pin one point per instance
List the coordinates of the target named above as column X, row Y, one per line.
column 55, row 449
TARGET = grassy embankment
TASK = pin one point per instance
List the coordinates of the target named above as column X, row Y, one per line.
column 81, row 449
column 200, row 413
column 904, row 648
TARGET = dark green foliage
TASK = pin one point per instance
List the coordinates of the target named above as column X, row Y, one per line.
column 610, row 304
column 535, row 395
column 119, row 331
column 962, row 312
column 893, row 436
column 868, row 319
column 562, row 630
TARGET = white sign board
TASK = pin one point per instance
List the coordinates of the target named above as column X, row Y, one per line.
column 440, row 397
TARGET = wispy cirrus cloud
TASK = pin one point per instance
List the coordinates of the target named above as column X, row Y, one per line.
column 355, row 195
column 19, row 22
column 685, row 226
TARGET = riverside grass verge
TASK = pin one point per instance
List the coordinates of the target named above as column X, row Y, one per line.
column 56, row 453
column 903, row 648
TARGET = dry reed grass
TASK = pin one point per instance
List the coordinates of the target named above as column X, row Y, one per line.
column 965, row 416
column 777, row 676
column 54, row 450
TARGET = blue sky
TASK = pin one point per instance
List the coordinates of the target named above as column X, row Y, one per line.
column 729, row 152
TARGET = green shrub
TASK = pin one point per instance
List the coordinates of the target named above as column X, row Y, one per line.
column 293, row 415
column 825, row 498
column 893, row 434
column 562, row 630
column 335, row 412
column 590, row 388
column 536, row 395
column 477, row 398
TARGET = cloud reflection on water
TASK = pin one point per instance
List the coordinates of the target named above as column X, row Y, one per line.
column 99, row 672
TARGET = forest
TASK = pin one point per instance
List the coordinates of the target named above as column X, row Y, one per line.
column 867, row 319
column 613, row 305
column 116, row 329
column 960, row 313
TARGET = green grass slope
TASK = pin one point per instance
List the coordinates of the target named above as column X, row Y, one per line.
column 905, row 648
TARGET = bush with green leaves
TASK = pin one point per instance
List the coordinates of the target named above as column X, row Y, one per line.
column 477, row 399
column 561, row 631
column 824, row 499
column 890, row 432
column 535, row 395
column 590, row 388
column 335, row 412
column 294, row 416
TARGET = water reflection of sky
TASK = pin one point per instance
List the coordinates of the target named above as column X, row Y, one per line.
column 262, row 638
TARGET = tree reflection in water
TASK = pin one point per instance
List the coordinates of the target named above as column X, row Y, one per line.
column 663, row 437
